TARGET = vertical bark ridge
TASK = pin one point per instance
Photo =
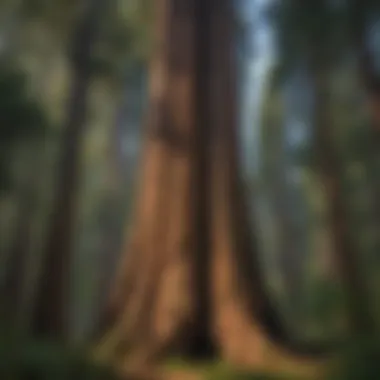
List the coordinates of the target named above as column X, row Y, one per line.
column 161, row 304
column 172, row 303
column 129, row 280
column 180, row 110
column 201, row 343
column 152, row 248
column 150, row 231
column 157, row 79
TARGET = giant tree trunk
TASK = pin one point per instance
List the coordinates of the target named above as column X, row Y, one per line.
column 51, row 311
column 190, row 279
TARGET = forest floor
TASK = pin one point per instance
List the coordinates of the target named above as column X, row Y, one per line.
column 155, row 374
column 211, row 371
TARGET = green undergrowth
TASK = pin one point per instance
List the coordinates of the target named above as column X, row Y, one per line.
column 358, row 360
column 21, row 360
column 231, row 374
column 218, row 370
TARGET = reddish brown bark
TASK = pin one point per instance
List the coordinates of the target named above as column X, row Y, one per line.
column 152, row 296
column 191, row 277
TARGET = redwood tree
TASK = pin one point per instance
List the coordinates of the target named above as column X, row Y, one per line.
column 190, row 282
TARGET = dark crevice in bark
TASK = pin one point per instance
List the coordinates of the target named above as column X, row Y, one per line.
column 201, row 344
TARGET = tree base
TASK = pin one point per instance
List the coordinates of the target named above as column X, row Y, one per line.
column 246, row 345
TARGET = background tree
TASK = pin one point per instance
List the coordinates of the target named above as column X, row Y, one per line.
column 23, row 121
column 51, row 304
column 319, row 49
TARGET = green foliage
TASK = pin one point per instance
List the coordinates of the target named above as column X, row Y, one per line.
column 20, row 116
column 55, row 15
column 22, row 119
column 139, row 17
column 360, row 360
column 325, row 306
column 307, row 30
column 38, row 8
column 47, row 361
column 245, row 375
column 126, row 38
column 221, row 371
column 304, row 23
column 318, row 31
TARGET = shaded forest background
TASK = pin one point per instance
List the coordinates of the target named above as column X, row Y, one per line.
column 78, row 125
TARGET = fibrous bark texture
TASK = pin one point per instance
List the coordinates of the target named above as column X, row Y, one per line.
column 190, row 282
column 152, row 299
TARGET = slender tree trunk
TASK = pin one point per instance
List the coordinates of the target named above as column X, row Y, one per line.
column 11, row 292
column 29, row 201
column 51, row 311
column 346, row 257
column 371, row 81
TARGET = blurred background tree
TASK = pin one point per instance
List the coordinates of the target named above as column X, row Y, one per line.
column 34, row 83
